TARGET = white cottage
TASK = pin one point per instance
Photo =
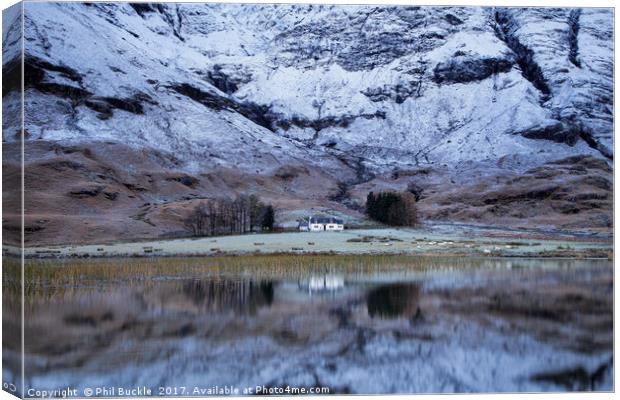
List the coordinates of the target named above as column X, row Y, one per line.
column 319, row 224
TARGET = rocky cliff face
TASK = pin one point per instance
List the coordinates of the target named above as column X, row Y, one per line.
column 344, row 95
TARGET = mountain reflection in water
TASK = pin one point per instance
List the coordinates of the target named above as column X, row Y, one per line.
column 506, row 326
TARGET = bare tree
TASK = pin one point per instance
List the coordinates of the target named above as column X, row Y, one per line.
column 226, row 216
column 255, row 206
column 197, row 221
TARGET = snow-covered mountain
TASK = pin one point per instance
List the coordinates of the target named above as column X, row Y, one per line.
column 348, row 95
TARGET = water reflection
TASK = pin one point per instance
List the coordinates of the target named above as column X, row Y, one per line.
column 240, row 296
column 392, row 301
column 350, row 330
column 323, row 283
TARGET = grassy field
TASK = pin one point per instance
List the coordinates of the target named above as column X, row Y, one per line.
column 363, row 241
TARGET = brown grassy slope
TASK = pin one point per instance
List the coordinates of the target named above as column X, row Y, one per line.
column 572, row 193
column 109, row 192
column 575, row 193
column 104, row 192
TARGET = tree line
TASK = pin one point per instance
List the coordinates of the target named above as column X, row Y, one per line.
column 229, row 216
column 392, row 208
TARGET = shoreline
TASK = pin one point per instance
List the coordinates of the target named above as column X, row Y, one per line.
column 405, row 242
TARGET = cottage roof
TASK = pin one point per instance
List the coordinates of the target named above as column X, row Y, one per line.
column 325, row 220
